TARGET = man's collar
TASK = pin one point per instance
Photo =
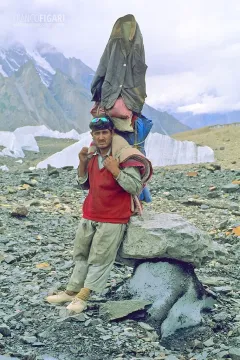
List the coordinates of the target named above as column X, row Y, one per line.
column 97, row 152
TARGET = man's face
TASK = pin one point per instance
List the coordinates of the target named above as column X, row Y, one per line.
column 102, row 138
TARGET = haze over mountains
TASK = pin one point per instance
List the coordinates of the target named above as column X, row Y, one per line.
column 43, row 87
column 201, row 120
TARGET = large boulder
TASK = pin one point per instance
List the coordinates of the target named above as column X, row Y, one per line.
column 161, row 236
column 176, row 294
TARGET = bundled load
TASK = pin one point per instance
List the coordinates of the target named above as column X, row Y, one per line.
column 119, row 88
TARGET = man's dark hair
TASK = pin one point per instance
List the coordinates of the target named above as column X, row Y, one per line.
column 101, row 123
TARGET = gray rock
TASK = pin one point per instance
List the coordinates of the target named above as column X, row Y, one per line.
column 236, row 340
column 9, row 259
column 64, row 313
column 106, row 337
column 222, row 354
column 234, row 353
column 78, row 317
column 222, row 289
column 44, row 335
column 88, row 322
column 222, row 316
column 35, row 202
column 219, row 249
column 212, row 167
column 119, row 309
column 204, row 207
column 68, row 167
column 166, row 236
column 209, row 342
column 223, row 224
column 213, row 195
column 38, row 344
column 145, row 326
column 30, row 183
column 234, row 206
column 230, row 188
column 177, row 296
column 93, row 322
column 54, row 173
column 29, row 339
column 20, row 210
column 198, row 344
column 203, row 356
column 5, row 330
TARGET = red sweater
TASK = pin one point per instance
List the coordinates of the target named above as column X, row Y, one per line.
column 107, row 201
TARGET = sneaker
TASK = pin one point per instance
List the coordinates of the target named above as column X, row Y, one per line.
column 77, row 305
column 60, row 298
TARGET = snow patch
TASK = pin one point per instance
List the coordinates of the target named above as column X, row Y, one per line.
column 68, row 156
column 15, row 62
column 10, row 65
column 23, row 138
column 40, row 61
column 4, row 168
column 2, row 71
column 42, row 130
column 14, row 144
column 19, row 52
column 2, row 54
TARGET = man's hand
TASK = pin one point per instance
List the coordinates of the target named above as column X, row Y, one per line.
column 83, row 155
column 112, row 165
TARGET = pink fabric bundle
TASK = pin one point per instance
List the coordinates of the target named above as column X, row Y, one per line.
column 119, row 110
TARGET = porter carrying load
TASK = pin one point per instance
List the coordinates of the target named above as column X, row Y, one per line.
column 119, row 88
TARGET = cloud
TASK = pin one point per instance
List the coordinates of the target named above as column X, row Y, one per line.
column 211, row 104
column 192, row 47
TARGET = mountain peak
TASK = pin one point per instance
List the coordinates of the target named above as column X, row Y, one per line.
column 45, row 48
column 28, row 69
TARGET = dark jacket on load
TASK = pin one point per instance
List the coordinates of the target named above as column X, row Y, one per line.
column 122, row 67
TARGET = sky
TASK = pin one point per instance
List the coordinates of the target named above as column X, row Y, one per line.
column 192, row 46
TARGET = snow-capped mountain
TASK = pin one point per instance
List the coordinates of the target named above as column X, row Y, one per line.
column 46, row 59
column 14, row 57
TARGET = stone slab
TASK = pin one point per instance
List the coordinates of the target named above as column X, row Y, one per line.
column 164, row 236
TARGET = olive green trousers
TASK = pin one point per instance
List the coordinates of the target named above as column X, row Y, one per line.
column 95, row 249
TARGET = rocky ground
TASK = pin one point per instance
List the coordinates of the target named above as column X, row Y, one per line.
column 39, row 213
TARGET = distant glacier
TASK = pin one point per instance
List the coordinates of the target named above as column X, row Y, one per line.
column 161, row 149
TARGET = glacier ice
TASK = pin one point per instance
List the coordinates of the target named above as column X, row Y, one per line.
column 161, row 149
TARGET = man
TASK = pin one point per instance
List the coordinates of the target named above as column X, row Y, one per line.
column 106, row 212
